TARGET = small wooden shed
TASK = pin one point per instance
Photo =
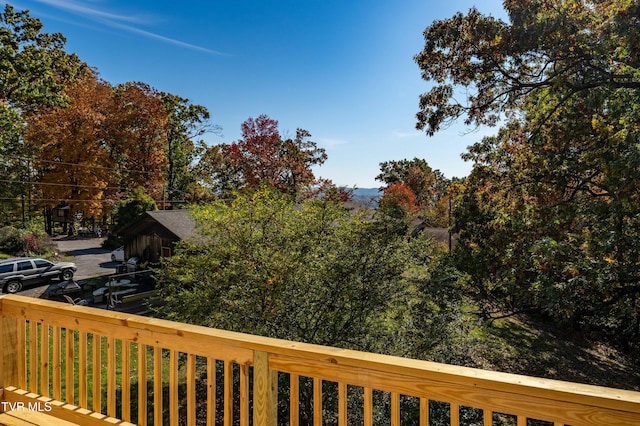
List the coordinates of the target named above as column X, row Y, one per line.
column 155, row 234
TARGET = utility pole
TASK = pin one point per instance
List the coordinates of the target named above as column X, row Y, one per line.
column 449, row 227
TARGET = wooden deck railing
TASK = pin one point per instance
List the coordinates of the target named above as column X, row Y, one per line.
column 91, row 366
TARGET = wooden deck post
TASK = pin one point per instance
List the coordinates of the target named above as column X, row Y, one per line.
column 8, row 353
column 265, row 391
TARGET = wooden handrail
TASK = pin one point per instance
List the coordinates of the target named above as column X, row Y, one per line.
column 42, row 339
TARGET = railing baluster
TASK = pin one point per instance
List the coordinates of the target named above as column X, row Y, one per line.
column 317, row 401
column 33, row 356
column 111, row 376
column 157, row 385
column 82, row 368
column 191, row 390
column 395, row 409
column 522, row 420
column 69, row 366
column 455, row 414
column 57, row 387
column 173, row 388
column 44, row 359
column 211, row 392
column 424, row 412
column 125, row 390
column 487, row 416
column 294, row 403
column 96, row 368
column 342, row 404
column 22, row 357
column 368, row 407
column 142, row 384
column 244, row 395
column 228, row 393
column 10, row 354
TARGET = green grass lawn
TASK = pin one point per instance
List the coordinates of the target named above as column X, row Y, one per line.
column 133, row 372
column 534, row 347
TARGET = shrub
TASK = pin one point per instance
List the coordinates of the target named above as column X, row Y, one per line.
column 10, row 241
column 37, row 243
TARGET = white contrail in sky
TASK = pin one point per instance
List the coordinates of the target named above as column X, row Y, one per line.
column 122, row 22
column 87, row 11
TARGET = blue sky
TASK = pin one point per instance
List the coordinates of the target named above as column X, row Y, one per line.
column 341, row 69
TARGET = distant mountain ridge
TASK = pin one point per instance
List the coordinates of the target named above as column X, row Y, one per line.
column 367, row 196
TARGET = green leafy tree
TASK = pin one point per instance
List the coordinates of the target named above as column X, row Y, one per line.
column 217, row 174
column 310, row 271
column 186, row 123
column 550, row 223
column 568, row 45
column 548, row 217
column 302, row 271
column 34, row 68
column 133, row 207
column 14, row 167
column 34, row 65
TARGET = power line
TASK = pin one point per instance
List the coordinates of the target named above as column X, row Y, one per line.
column 72, row 185
column 106, row 200
column 57, row 200
column 92, row 166
column 59, row 184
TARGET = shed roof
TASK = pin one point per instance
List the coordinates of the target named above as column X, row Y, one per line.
column 178, row 223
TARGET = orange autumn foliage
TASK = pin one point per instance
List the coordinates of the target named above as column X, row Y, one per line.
column 398, row 201
column 107, row 141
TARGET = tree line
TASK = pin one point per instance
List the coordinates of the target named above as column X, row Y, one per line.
column 71, row 138
column 68, row 136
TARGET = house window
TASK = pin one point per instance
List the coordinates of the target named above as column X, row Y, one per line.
column 166, row 252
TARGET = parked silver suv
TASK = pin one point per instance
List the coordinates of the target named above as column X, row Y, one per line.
column 23, row 271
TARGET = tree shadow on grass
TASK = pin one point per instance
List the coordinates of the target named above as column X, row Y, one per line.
column 537, row 348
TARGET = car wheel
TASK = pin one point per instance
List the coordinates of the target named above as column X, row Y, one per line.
column 113, row 257
column 13, row 286
column 66, row 275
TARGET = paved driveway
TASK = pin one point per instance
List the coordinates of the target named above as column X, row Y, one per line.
column 90, row 258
